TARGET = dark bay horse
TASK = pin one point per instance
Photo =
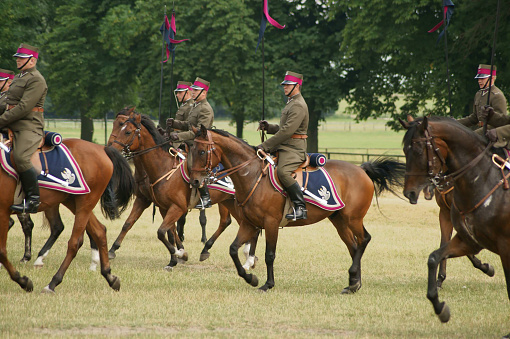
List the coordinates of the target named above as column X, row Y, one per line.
column 262, row 207
column 110, row 180
column 169, row 191
column 444, row 199
column 480, row 212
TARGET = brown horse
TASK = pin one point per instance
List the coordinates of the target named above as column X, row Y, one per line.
column 261, row 207
column 140, row 138
column 479, row 213
column 110, row 180
column 444, row 199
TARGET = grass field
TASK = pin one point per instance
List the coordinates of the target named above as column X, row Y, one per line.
column 208, row 299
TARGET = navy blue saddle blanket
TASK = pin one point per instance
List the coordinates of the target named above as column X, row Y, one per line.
column 224, row 184
column 319, row 184
column 61, row 164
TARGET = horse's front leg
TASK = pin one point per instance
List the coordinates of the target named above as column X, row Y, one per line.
column 27, row 225
column 249, row 253
column 245, row 233
column 172, row 215
column 203, row 222
column 271, row 240
column 446, row 227
column 454, row 248
column 225, row 221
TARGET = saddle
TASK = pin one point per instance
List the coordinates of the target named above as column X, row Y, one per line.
column 312, row 162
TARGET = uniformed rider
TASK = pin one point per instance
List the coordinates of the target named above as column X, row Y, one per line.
column 290, row 141
column 201, row 114
column 24, row 116
column 183, row 95
column 493, row 113
column 6, row 77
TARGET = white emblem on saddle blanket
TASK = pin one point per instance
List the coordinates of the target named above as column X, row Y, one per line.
column 68, row 176
column 324, row 193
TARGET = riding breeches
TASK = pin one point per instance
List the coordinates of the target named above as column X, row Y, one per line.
column 25, row 144
column 288, row 162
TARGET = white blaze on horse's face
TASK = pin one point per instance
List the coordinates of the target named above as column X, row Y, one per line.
column 123, row 128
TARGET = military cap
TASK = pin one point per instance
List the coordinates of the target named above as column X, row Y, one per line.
column 27, row 51
column 6, row 74
column 200, row 84
column 292, row 78
column 484, row 71
column 182, row 86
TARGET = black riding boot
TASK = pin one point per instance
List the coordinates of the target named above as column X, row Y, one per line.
column 31, row 188
column 296, row 196
column 205, row 198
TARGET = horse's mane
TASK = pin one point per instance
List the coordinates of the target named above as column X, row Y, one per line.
column 153, row 131
column 225, row 134
column 444, row 120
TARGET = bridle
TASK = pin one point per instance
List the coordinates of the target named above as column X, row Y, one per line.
column 436, row 163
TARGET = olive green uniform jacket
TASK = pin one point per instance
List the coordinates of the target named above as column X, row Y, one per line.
column 291, row 152
column 497, row 101
column 3, row 102
column 27, row 91
column 181, row 117
column 201, row 114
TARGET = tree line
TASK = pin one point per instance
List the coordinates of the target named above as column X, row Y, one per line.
column 101, row 55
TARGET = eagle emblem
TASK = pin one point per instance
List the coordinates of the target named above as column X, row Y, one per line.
column 324, row 193
column 68, row 176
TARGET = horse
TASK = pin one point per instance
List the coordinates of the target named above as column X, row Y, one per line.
column 444, row 199
column 110, row 180
column 261, row 207
column 139, row 138
column 479, row 212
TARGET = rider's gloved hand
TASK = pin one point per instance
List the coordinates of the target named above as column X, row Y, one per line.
column 173, row 136
column 263, row 125
column 492, row 135
column 486, row 113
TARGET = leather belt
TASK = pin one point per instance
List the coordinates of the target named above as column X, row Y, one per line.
column 299, row 136
column 35, row 109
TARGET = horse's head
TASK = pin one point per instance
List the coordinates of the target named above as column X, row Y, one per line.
column 119, row 121
column 204, row 155
column 125, row 135
column 425, row 156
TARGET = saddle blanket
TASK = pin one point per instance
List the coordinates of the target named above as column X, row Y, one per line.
column 225, row 184
column 319, row 184
column 61, row 165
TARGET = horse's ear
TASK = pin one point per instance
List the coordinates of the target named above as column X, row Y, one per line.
column 203, row 130
column 132, row 109
column 425, row 123
column 404, row 124
column 410, row 118
column 194, row 129
column 138, row 117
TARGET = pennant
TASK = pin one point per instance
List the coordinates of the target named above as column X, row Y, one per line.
column 263, row 23
column 168, row 30
column 447, row 14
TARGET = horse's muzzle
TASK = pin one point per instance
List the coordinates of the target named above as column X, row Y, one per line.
column 412, row 195
column 195, row 183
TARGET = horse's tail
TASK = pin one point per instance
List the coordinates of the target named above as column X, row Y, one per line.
column 386, row 173
column 121, row 187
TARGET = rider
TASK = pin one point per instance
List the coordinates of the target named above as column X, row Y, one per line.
column 24, row 116
column 290, row 141
column 494, row 113
column 183, row 95
column 201, row 114
column 6, row 77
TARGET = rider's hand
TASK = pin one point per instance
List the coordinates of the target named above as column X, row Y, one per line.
column 161, row 131
column 174, row 136
column 263, row 125
column 169, row 122
column 260, row 147
column 486, row 113
column 492, row 135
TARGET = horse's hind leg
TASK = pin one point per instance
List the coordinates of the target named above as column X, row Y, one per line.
column 356, row 238
column 97, row 232
column 180, row 226
column 225, row 221
column 56, row 228
column 484, row 267
column 24, row 282
column 27, row 225
column 140, row 204
column 249, row 252
column 94, row 252
column 454, row 248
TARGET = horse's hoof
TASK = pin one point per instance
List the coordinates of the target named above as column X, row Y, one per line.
column 183, row 258
column 265, row 288
column 490, row 270
column 254, row 281
column 115, row 283
column 47, row 290
column 112, row 255
column 38, row 263
column 26, row 284
column 444, row 316
column 506, row 336
column 204, row 256
column 352, row 289
column 168, row 268
column 24, row 260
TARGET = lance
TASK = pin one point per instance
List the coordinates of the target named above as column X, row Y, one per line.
column 161, row 80
column 492, row 64
column 172, row 69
